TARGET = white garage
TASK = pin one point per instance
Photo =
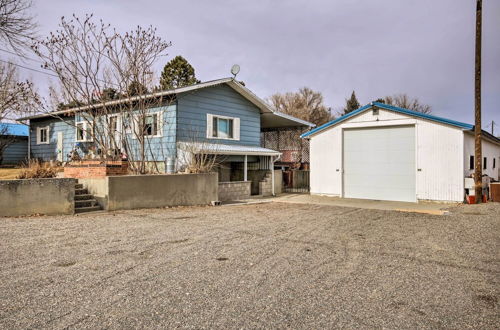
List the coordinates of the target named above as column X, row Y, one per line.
column 383, row 152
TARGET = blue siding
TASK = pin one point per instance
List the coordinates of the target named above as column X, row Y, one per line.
column 49, row 151
column 162, row 147
column 158, row 148
column 193, row 108
column 16, row 152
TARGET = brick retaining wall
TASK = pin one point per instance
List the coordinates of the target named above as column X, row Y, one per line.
column 234, row 190
column 95, row 169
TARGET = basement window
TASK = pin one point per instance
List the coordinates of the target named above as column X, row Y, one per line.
column 471, row 162
column 485, row 163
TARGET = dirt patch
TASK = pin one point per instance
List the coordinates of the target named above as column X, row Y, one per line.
column 257, row 266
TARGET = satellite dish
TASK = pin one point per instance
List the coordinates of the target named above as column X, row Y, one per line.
column 235, row 69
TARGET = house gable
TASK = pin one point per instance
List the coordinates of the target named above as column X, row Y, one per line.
column 220, row 100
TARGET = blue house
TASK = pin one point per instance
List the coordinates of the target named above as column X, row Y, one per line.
column 220, row 117
column 13, row 143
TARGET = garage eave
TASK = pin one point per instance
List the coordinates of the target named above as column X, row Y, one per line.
column 408, row 112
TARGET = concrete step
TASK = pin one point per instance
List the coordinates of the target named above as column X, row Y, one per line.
column 81, row 191
column 87, row 209
column 78, row 186
column 85, row 203
column 83, row 197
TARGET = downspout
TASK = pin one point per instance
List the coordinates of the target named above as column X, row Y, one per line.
column 29, row 143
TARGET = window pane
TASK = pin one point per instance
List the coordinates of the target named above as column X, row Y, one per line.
column 214, row 127
column 79, row 132
column 223, row 128
column 88, row 132
column 230, row 135
column 148, row 125
column 471, row 162
column 43, row 135
column 113, row 124
column 155, row 124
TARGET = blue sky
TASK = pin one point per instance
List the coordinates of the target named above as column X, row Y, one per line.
column 423, row 48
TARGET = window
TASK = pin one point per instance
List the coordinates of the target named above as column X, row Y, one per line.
column 42, row 135
column 220, row 127
column 494, row 163
column 83, row 132
column 151, row 125
column 113, row 124
column 485, row 163
column 471, row 162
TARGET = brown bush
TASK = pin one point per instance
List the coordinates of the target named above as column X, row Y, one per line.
column 36, row 169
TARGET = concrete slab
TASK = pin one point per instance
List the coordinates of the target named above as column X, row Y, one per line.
column 435, row 208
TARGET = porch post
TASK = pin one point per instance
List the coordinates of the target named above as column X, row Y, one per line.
column 271, row 165
column 245, row 169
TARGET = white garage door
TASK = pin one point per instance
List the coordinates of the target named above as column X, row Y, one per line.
column 379, row 163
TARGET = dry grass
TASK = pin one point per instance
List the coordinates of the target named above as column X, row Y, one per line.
column 9, row 173
column 36, row 169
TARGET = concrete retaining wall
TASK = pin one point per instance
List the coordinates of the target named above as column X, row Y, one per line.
column 234, row 190
column 37, row 196
column 149, row 191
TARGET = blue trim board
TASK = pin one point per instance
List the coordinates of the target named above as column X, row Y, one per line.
column 391, row 108
column 15, row 129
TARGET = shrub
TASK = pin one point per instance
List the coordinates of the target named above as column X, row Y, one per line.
column 36, row 169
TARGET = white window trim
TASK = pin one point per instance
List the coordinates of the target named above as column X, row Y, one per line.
column 159, row 118
column 85, row 126
column 210, row 129
column 38, row 135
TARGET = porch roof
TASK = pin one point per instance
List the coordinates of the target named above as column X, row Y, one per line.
column 229, row 149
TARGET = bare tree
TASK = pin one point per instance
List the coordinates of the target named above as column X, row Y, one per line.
column 404, row 101
column 305, row 104
column 17, row 26
column 103, row 73
column 16, row 98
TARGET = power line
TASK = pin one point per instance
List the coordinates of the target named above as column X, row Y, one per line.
column 21, row 56
column 28, row 68
column 43, row 72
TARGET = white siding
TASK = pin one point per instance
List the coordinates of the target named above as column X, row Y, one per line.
column 489, row 150
column 326, row 163
column 439, row 156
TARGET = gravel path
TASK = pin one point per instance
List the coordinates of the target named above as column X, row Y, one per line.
column 252, row 266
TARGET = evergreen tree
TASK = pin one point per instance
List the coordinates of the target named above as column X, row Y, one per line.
column 177, row 73
column 109, row 94
column 136, row 88
column 351, row 104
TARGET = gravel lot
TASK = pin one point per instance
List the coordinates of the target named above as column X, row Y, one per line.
column 252, row 266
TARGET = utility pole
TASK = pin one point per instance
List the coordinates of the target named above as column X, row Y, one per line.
column 493, row 127
column 478, row 172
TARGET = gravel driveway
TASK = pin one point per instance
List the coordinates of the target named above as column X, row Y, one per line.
column 252, row 266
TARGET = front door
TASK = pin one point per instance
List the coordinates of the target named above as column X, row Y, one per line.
column 60, row 149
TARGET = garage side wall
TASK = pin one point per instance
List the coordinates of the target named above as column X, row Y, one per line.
column 489, row 150
column 439, row 162
column 439, row 156
column 325, row 160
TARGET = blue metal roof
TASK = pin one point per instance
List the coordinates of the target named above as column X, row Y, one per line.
column 14, row 129
column 392, row 108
